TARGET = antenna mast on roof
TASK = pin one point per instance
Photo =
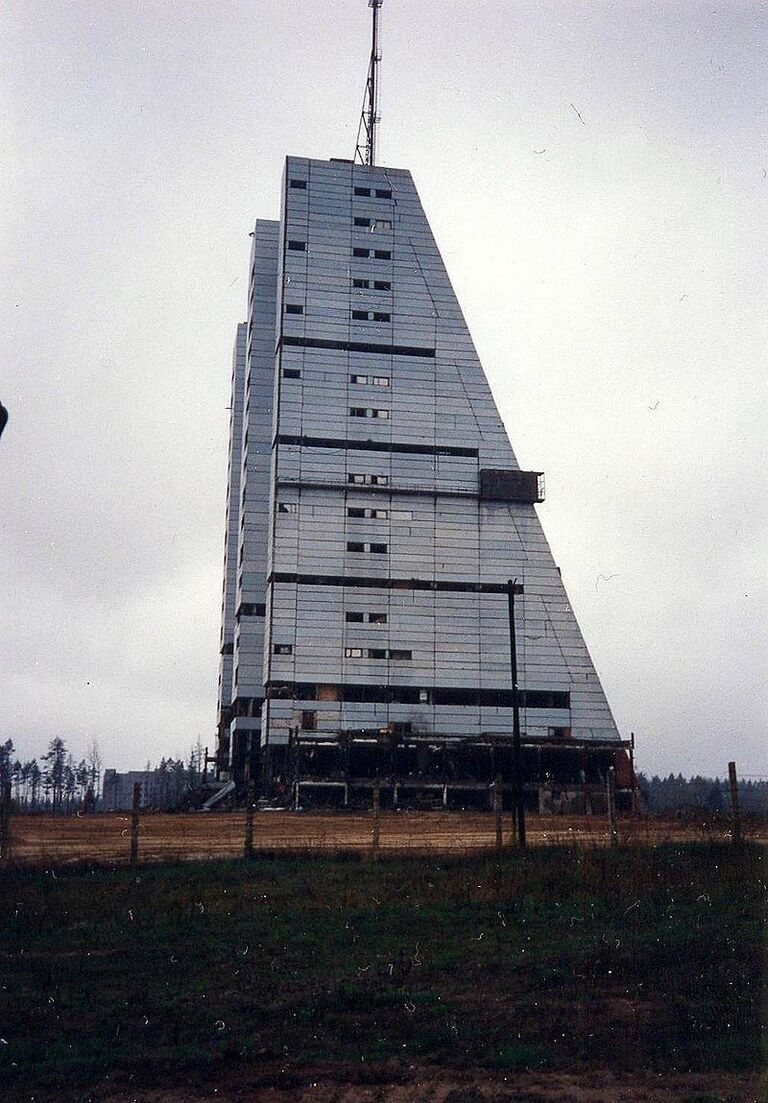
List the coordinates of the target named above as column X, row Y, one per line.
column 365, row 151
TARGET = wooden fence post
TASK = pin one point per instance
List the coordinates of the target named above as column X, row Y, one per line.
column 733, row 782
column 135, row 814
column 5, row 823
column 610, row 791
column 248, row 851
column 376, row 835
column 496, row 791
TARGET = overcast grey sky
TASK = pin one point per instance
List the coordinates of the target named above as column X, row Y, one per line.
column 596, row 176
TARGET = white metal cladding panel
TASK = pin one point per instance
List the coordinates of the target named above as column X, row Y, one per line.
column 229, row 594
column 256, row 446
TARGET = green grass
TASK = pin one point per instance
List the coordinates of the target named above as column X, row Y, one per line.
column 635, row 958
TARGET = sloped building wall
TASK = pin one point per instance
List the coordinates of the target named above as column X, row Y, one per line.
column 385, row 567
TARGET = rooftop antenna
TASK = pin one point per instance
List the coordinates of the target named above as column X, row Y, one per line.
column 365, row 152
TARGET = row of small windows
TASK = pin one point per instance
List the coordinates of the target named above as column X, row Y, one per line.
column 371, row 549
column 358, row 315
column 367, row 411
column 375, row 225
column 371, row 380
column 377, row 254
column 378, row 285
column 380, row 514
column 368, row 480
column 379, row 193
column 396, row 653
column 358, row 511
column 368, row 380
column 353, row 616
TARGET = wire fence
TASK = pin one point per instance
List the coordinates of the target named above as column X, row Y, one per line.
column 122, row 838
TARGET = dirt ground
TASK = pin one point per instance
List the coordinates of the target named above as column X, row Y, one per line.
column 428, row 1085
column 48, row 839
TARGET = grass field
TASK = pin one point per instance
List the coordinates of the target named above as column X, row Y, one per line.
column 638, row 970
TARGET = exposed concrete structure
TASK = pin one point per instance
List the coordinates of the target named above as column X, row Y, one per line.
column 376, row 509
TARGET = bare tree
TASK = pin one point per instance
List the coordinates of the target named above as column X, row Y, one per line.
column 93, row 758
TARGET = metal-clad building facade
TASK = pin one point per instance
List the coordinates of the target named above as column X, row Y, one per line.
column 381, row 507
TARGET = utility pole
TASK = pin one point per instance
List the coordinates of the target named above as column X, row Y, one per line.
column 517, row 756
column 365, row 150
column 733, row 783
column 135, row 814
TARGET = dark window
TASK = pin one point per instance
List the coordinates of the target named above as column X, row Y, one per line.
column 355, row 546
column 356, row 346
column 377, row 653
column 361, row 252
column 383, row 193
column 398, row 653
column 379, row 549
column 283, row 649
column 251, row 609
column 362, row 222
column 309, row 721
column 361, row 283
column 377, row 618
column 358, row 411
column 299, row 184
column 380, row 316
column 291, row 373
column 298, row 246
column 287, row 507
column 383, row 254
column 362, row 191
column 360, row 315
column 355, row 511
column 382, row 285
column 293, row 308
column 227, row 649
column 354, row 617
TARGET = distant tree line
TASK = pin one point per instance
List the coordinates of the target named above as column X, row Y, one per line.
column 57, row 782
column 676, row 793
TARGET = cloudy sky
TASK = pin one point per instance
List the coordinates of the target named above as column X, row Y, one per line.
column 596, row 175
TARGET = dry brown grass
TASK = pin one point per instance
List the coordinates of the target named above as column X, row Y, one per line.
column 48, row 839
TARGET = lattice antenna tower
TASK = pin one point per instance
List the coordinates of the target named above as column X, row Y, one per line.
column 365, row 151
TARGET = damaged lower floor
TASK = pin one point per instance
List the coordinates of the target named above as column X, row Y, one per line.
column 557, row 774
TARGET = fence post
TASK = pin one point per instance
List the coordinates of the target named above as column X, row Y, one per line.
column 376, row 835
column 5, row 823
column 735, row 812
column 496, row 793
column 248, row 851
column 135, row 813
column 610, row 791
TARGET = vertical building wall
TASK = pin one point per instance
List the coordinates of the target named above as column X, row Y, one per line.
column 385, row 566
column 248, row 522
column 231, row 549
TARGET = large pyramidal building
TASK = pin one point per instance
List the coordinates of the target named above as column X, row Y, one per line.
column 377, row 512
